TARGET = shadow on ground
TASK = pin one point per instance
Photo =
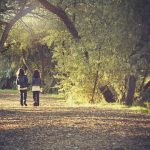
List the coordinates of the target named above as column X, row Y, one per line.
column 69, row 128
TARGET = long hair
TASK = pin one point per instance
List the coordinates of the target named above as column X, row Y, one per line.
column 36, row 73
column 20, row 72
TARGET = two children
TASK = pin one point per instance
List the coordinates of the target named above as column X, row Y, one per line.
column 22, row 82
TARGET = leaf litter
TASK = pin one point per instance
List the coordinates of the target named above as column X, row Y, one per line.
column 52, row 126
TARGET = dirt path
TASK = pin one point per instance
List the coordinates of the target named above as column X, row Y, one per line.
column 54, row 126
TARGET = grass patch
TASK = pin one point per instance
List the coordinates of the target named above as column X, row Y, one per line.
column 105, row 105
column 8, row 91
column 10, row 98
column 138, row 109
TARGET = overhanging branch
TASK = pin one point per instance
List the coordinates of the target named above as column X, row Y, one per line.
column 11, row 23
column 63, row 16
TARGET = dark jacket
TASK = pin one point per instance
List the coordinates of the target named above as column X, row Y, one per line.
column 22, row 81
column 36, row 81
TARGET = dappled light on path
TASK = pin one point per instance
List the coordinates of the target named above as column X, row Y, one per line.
column 54, row 125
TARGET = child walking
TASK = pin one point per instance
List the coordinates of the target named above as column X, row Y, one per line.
column 36, row 86
column 22, row 82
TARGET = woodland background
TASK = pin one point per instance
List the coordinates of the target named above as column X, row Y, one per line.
column 91, row 51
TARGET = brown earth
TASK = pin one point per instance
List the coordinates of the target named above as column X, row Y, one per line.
column 55, row 126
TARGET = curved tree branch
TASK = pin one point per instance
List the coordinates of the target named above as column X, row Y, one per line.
column 63, row 16
column 54, row 9
column 9, row 25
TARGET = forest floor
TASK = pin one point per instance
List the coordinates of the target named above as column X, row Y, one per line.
column 55, row 126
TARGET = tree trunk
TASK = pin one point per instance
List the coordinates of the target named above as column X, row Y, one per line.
column 94, row 88
column 130, row 90
column 107, row 94
column 96, row 78
column 124, row 89
column 144, row 79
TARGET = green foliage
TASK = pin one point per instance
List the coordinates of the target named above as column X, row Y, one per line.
column 7, row 74
column 111, row 47
column 106, row 45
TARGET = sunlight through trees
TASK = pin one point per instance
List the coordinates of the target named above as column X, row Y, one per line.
column 87, row 50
